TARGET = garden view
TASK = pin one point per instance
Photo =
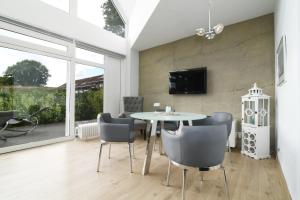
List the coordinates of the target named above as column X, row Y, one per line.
column 23, row 89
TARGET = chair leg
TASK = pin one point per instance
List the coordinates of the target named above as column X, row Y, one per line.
column 161, row 149
column 183, row 184
column 229, row 151
column 226, row 184
column 169, row 172
column 129, row 147
column 133, row 154
column 109, row 150
column 145, row 134
column 100, row 152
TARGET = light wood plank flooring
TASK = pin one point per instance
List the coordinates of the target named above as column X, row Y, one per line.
column 67, row 171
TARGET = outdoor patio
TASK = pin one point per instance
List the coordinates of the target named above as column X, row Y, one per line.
column 42, row 132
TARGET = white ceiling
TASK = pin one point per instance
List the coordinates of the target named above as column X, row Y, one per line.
column 176, row 19
column 126, row 6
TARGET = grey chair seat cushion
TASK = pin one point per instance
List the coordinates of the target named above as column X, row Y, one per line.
column 139, row 124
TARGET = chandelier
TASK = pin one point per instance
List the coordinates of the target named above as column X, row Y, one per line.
column 212, row 31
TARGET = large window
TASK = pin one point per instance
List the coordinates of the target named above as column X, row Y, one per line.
column 49, row 84
column 32, row 97
column 89, row 87
column 101, row 13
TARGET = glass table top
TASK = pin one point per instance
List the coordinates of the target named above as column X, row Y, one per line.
column 163, row 116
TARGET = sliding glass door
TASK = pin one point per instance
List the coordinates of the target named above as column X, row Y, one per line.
column 51, row 85
column 32, row 97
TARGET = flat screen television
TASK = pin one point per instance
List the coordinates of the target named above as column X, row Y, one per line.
column 192, row 81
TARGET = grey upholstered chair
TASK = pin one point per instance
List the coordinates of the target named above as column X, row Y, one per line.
column 115, row 130
column 217, row 118
column 133, row 105
column 201, row 147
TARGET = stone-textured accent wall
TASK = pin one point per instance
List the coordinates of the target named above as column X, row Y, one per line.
column 241, row 55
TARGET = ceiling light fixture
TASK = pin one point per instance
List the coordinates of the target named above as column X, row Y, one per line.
column 211, row 32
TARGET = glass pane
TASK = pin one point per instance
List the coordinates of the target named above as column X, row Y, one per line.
column 101, row 13
column 89, row 93
column 252, row 108
column 266, row 107
column 33, row 40
column 246, row 106
column 89, row 56
column 260, row 112
column 60, row 4
column 32, row 97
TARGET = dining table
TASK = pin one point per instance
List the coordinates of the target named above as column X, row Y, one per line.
column 153, row 118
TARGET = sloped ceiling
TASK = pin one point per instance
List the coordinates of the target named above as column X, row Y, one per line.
column 175, row 19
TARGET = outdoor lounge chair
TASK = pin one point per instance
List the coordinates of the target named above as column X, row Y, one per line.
column 8, row 119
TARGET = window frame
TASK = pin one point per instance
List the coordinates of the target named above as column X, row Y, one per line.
column 68, row 55
column 73, row 6
column 15, row 44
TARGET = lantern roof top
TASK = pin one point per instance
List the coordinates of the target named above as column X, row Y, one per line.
column 255, row 92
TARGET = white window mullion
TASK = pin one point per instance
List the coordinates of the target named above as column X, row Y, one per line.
column 70, row 114
column 73, row 8
column 33, row 50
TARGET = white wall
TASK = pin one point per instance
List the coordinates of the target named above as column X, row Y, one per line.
column 39, row 14
column 112, row 86
column 287, row 22
column 141, row 13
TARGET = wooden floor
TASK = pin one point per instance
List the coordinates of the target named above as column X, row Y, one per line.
column 67, row 171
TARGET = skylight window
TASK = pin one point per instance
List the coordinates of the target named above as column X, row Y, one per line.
column 103, row 14
column 60, row 4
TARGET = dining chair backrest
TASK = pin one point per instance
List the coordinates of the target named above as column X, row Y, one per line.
column 196, row 146
column 215, row 119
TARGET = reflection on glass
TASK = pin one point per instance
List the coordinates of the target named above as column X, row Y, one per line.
column 260, row 112
column 101, row 13
column 266, row 106
column 32, row 97
column 252, row 117
column 89, row 86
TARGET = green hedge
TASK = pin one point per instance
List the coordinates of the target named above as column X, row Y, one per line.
column 27, row 100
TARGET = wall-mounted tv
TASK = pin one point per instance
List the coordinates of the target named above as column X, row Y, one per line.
column 191, row 81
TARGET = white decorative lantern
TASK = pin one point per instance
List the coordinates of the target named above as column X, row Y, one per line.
column 256, row 124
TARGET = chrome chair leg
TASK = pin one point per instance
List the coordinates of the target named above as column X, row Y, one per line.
column 100, row 152
column 226, row 184
column 168, row 175
column 183, row 183
column 109, row 149
column 129, row 147
column 133, row 154
column 229, row 151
